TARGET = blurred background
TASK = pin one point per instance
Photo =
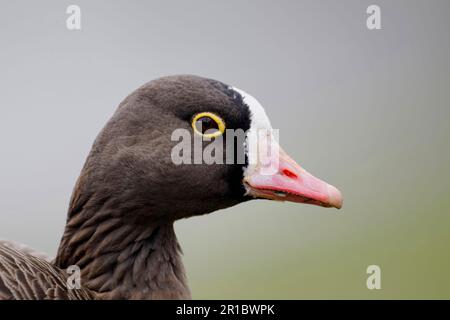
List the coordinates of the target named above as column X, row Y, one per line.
column 366, row 110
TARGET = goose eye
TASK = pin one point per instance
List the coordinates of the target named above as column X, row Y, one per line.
column 208, row 124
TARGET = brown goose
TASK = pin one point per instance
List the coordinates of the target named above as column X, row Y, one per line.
column 119, row 230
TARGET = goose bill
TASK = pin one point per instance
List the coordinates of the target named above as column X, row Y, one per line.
column 288, row 181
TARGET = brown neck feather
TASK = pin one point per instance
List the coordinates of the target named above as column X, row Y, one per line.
column 123, row 261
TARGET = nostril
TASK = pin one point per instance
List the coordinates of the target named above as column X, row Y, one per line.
column 289, row 173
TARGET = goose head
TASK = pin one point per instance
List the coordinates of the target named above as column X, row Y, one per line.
column 177, row 147
column 142, row 162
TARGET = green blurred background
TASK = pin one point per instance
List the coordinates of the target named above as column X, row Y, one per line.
column 367, row 111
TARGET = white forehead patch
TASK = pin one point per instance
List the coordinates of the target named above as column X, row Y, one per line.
column 258, row 117
column 260, row 138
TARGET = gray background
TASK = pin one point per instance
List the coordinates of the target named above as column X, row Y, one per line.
column 367, row 111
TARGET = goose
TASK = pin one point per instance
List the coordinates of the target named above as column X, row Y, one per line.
column 119, row 231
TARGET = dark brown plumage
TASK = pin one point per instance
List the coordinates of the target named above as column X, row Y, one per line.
column 27, row 277
column 119, row 228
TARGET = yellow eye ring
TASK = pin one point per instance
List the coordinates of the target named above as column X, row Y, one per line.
column 210, row 116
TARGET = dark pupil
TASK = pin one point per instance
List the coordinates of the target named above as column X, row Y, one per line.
column 205, row 124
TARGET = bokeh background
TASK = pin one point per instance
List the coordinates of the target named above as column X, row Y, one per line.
column 367, row 111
